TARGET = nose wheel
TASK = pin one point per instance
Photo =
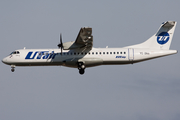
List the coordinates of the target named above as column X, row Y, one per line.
column 81, row 71
column 12, row 68
column 81, row 68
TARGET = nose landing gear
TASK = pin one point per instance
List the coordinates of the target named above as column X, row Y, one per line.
column 81, row 71
column 12, row 68
column 81, row 68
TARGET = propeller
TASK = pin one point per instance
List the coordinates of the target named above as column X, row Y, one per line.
column 60, row 45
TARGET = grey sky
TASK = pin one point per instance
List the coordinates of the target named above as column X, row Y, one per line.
column 144, row 91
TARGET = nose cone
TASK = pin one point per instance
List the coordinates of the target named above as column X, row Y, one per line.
column 5, row 61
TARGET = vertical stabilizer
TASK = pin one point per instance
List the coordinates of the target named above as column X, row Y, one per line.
column 161, row 40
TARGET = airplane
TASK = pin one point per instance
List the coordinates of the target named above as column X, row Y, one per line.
column 81, row 54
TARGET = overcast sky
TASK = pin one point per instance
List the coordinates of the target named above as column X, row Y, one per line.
column 148, row 90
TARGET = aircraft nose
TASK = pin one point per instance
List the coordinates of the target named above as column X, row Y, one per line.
column 4, row 60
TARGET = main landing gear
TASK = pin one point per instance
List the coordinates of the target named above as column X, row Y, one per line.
column 12, row 68
column 81, row 68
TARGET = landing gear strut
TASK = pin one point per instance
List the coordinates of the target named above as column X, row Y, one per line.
column 81, row 68
column 12, row 68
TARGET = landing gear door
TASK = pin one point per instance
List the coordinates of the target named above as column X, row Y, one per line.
column 131, row 54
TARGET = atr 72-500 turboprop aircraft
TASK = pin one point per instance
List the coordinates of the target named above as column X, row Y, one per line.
column 81, row 54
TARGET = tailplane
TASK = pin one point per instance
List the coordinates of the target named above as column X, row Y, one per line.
column 161, row 40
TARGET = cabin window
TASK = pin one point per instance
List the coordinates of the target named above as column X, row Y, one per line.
column 74, row 53
column 121, row 52
column 82, row 53
column 100, row 53
column 117, row 52
column 114, row 52
column 93, row 53
column 110, row 52
column 103, row 52
column 89, row 53
column 107, row 52
column 124, row 52
column 96, row 53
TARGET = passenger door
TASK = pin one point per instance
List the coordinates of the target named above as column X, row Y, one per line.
column 131, row 54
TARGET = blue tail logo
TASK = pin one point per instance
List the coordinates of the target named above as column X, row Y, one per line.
column 163, row 38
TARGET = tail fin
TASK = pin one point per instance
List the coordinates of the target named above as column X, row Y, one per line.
column 161, row 40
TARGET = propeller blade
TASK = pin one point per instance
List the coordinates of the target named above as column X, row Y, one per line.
column 60, row 45
column 61, row 39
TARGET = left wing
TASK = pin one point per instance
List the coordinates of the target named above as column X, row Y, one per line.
column 85, row 37
column 83, row 40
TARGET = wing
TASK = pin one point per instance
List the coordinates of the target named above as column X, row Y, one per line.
column 85, row 37
column 83, row 40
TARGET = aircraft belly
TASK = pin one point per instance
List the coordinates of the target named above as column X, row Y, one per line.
column 116, row 62
column 36, row 63
column 88, row 62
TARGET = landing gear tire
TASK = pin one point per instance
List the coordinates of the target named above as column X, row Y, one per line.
column 81, row 71
column 12, row 70
column 81, row 68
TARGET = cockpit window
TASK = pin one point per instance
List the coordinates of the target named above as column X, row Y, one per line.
column 12, row 52
column 15, row 52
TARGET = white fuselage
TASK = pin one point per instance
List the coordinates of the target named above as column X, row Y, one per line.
column 81, row 54
column 93, row 57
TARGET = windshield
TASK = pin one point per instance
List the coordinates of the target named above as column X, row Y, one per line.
column 15, row 52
